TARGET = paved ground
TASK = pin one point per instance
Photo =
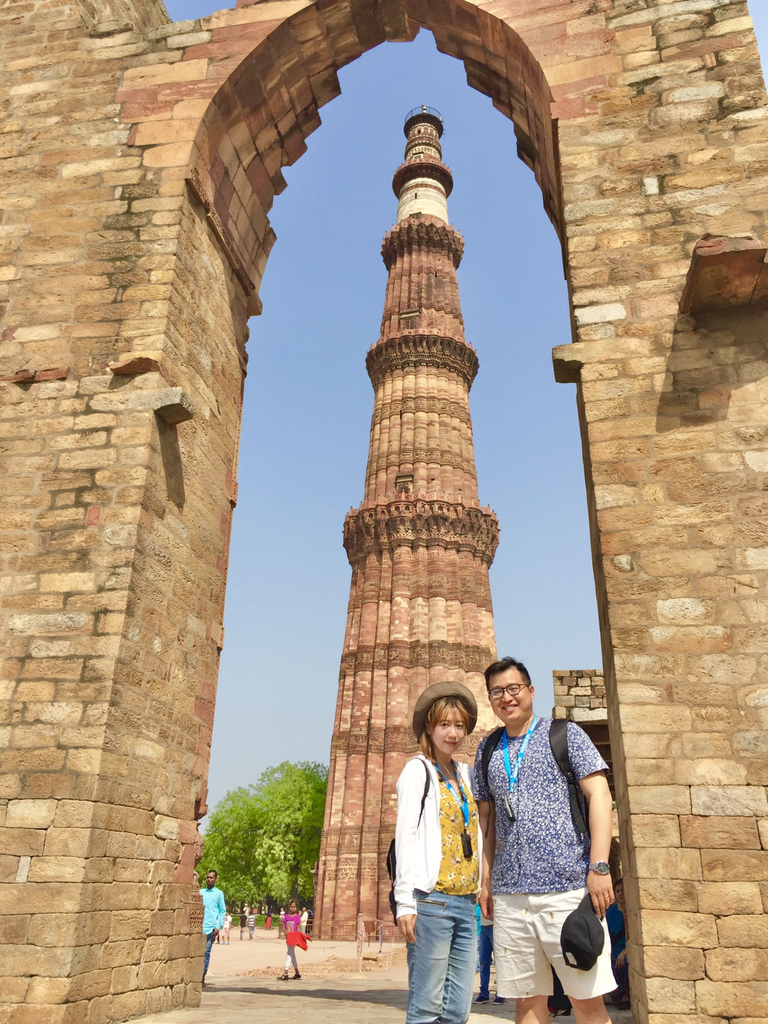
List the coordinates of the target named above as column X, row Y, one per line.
column 331, row 991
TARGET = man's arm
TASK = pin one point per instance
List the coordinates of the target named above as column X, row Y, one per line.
column 221, row 911
column 595, row 789
column 487, row 814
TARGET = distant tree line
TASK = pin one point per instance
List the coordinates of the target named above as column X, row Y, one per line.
column 264, row 839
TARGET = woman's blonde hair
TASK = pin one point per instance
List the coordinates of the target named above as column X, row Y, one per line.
column 440, row 710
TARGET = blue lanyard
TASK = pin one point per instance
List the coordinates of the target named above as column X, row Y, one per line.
column 512, row 774
column 464, row 802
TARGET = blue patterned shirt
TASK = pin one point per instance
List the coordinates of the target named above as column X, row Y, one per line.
column 541, row 851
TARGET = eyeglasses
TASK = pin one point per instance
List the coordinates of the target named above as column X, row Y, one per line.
column 511, row 691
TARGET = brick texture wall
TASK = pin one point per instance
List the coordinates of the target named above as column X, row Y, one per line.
column 137, row 166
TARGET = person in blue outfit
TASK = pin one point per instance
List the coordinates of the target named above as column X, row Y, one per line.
column 438, row 847
column 213, row 918
column 485, row 956
column 617, row 929
column 537, row 867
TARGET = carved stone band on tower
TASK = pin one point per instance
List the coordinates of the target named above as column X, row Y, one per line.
column 420, row 545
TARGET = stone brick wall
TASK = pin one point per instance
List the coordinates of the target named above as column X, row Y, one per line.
column 580, row 697
column 137, row 170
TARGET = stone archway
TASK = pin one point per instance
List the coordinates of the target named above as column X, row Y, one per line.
column 144, row 159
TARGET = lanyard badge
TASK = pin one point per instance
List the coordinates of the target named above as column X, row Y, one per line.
column 466, row 839
column 512, row 773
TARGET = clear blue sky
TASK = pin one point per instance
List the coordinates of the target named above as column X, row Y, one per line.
column 308, row 403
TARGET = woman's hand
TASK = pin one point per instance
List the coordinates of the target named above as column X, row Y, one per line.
column 406, row 925
column 621, row 959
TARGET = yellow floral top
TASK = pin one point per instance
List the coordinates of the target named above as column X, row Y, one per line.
column 458, row 876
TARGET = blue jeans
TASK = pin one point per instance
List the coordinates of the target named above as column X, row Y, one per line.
column 208, row 943
column 441, row 962
column 485, row 951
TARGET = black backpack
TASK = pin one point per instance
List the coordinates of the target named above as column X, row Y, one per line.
column 391, row 855
column 558, row 741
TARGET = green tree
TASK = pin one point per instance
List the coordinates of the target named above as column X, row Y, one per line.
column 264, row 839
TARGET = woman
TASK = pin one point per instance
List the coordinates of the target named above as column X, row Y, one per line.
column 225, row 929
column 292, row 925
column 438, row 847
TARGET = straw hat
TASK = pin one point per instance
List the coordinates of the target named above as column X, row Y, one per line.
column 437, row 691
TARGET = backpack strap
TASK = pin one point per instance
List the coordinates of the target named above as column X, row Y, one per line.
column 558, row 741
column 427, row 782
column 491, row 743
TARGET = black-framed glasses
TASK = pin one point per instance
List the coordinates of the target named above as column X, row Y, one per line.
column 511, row 691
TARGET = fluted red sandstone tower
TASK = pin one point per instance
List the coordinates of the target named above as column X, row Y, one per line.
column 420, row 545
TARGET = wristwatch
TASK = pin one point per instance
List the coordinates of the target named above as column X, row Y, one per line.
column 601, row 867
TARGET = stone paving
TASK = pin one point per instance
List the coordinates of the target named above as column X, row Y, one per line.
column 329, row 992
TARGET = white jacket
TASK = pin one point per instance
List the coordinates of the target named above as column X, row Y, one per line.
column 418, row 845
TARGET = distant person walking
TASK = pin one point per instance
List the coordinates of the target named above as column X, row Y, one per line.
column 225, row 929
column 213, row 918
column 292, row 925
column 304, row 919
column 251, row 922
column 243, row 923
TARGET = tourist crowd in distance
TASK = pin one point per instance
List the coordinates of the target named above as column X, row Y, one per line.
column 295, row 927
column 511, row 862
column 251, row 917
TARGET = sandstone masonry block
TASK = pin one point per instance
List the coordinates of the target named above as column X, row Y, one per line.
column 666, row 928
column 729, row 800
column 716, row 831
column 745, row 999
column 666, row 995
column 731, row 965
column 679, row 962
column 25, row 814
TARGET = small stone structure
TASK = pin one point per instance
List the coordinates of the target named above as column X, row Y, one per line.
column 138, row 163
column 580, row 697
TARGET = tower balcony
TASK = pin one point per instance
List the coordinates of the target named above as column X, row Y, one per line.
column 421, row 522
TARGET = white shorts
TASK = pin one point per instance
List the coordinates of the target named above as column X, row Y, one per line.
column 526, row 941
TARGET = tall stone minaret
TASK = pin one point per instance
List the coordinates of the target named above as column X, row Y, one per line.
column 420, row 545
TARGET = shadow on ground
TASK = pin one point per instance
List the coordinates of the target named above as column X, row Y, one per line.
column 382, row 996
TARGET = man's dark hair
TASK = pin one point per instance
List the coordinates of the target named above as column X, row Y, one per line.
column 502, row 666
column 212, row 871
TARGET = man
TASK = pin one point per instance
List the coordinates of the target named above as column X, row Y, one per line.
column 536, row 866
column 215, row 912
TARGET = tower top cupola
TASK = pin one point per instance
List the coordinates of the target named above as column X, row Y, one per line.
column 423, row 183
